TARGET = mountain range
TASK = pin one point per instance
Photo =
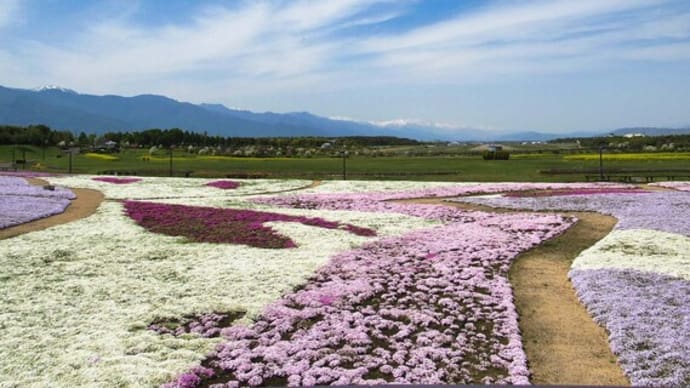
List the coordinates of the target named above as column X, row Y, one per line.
column 65, row 109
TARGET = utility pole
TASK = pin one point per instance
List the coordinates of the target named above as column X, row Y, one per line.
column 344, row 154
column 70, row 160
column 601, row 162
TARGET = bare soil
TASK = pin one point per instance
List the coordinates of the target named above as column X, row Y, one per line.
column 84, row 205
column 564, row 346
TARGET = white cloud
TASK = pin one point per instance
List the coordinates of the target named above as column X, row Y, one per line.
column 508, row 23
column 256, row 41
column 282, row 48
column 9, row 12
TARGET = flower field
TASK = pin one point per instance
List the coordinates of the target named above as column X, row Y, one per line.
column 195, row 282
column 93, row 155
column 635, row 281
column 21, row 202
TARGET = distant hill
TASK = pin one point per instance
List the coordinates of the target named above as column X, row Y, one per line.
column 61, row 108
column 66, row 109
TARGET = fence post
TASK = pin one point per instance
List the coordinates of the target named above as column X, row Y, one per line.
column 601, row 162
column 344, row 155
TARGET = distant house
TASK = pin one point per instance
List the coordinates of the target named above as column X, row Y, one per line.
column 108, row 146
column 631, row 135
column 494, row 147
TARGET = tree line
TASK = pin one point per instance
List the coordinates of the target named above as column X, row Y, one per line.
column 36, row 135
column 42, row 135
column 633, row 144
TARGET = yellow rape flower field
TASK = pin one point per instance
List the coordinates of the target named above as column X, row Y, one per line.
column 93, row 155
column 635, row 156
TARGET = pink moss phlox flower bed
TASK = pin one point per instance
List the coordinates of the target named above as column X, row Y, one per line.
column 581, row 191
column 648, row 318
column 21, row 202
column 225, row 185
column 433, row 306
column 216, row 225
column 664, row 211
column 377, row 201
column 15, row 210
column 117, row 181
column 16, row 186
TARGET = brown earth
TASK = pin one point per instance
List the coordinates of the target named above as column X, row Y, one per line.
column 564, row 346
column 84, row 205
column 313, row 184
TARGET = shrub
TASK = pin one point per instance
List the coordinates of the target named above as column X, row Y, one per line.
column 496, row 155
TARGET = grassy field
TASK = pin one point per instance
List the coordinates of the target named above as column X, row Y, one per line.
column 521, row 167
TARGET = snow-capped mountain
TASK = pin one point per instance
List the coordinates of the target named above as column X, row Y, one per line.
column 45, row 88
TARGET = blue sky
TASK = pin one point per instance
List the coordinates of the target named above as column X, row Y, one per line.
column 546, row 65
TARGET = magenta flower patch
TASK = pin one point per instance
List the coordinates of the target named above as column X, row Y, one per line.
column 232, row 226
column 225, row 185
column 117, row 181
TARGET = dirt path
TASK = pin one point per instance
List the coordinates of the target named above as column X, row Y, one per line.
column 84, row 205
column 314, row 183
column 564, row 345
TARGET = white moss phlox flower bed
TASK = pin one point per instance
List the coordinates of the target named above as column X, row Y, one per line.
column 639, row 249
column 163, row 187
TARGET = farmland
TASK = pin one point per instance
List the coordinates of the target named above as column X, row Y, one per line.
column 192, row 281
column 525, row 165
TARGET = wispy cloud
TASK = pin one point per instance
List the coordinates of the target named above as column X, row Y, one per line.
column 284, row 47
column 269, row 42
column 259, row 40
column 532, row 37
